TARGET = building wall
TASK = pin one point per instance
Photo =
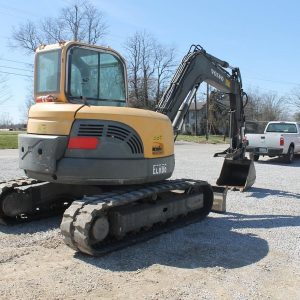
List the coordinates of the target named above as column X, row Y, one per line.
column 189, row 125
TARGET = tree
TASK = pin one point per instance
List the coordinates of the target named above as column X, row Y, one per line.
column 273, row 107
column 133, row 47
column 147, row 65
column 265, row 106
column 294, row 98
column 254, row 105
column 5, row 120
column 218, row 112
column 81, row 21
column 140, row 57
column 150, row 66
column 164, row 62
column 297, row 116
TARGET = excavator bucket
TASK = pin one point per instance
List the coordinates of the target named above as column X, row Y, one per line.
column 239, row 174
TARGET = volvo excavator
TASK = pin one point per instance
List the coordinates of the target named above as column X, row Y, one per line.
column 85, row 149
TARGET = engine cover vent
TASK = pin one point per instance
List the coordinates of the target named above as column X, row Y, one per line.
column 110, row 131
column 117, row 132
column 90, row 130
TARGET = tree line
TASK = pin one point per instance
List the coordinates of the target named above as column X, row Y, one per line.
column 260, row 107
column 150, row 63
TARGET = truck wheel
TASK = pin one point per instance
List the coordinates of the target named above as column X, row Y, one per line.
column 253, row 156
column 290, row 155
column 256, row 157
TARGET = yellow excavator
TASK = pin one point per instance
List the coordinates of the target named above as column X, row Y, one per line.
column 85, row 149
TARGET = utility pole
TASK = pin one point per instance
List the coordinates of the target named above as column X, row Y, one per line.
column 207, row 110
column 76, row 24
column 196, row 118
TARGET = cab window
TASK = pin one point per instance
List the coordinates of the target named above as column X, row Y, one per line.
column 48, row 72
column 96, row 76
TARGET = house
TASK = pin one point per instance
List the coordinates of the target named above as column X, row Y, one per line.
column 195, row 121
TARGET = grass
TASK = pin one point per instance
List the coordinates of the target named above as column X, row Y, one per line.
column 212, row 139
column 9, row 139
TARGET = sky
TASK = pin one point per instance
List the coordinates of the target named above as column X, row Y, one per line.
column 261, row 37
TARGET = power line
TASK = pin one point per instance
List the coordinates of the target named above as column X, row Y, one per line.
column 27, row 70
column 18, row 10
column 17, row 61
column 24, row 75
column 274, row 81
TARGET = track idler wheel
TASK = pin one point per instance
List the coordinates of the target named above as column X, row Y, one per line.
column 100, row 229
column 15, row 204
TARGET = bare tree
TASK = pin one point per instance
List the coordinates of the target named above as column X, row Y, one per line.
column 140, row 48
column 96, row 28
column 73, row 17
column 133, row 47
column 294, row 98
column 53, row 30
column 80, row 21
column 273, row 107
column 265, row 106
column 297, row 116
column 5, row 120
column 27, row 36
column 164, row 65
column 254, row 105
column 149, row 66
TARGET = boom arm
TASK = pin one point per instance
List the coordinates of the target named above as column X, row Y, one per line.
column 197, row 67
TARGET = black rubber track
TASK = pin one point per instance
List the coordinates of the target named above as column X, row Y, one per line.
column 79, row 217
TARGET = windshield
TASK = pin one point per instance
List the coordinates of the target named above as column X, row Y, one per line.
column 96, row 76
column 48, row 72
column 282, row 127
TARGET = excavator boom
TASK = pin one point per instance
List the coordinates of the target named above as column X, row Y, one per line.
column 196, row 67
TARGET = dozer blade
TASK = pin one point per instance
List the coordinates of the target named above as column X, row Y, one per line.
column 220, row 194
column 239, row 174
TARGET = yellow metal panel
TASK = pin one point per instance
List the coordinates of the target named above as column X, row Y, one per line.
column 52, row 118
column 155, row 129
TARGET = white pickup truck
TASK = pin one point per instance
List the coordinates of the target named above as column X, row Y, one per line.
column 279, row 139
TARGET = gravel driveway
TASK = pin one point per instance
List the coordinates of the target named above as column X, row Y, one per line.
column 251, row 252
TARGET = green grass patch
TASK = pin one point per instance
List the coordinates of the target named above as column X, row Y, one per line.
column 201, row 139
column 9, row 139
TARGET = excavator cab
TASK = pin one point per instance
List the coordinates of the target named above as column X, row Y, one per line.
column 80, row 74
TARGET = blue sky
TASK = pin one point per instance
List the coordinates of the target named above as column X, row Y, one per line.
column 261, row 37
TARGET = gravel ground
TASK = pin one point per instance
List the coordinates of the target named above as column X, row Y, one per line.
column 251, row 252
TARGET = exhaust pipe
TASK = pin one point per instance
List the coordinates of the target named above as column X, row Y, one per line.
column 238, row 174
